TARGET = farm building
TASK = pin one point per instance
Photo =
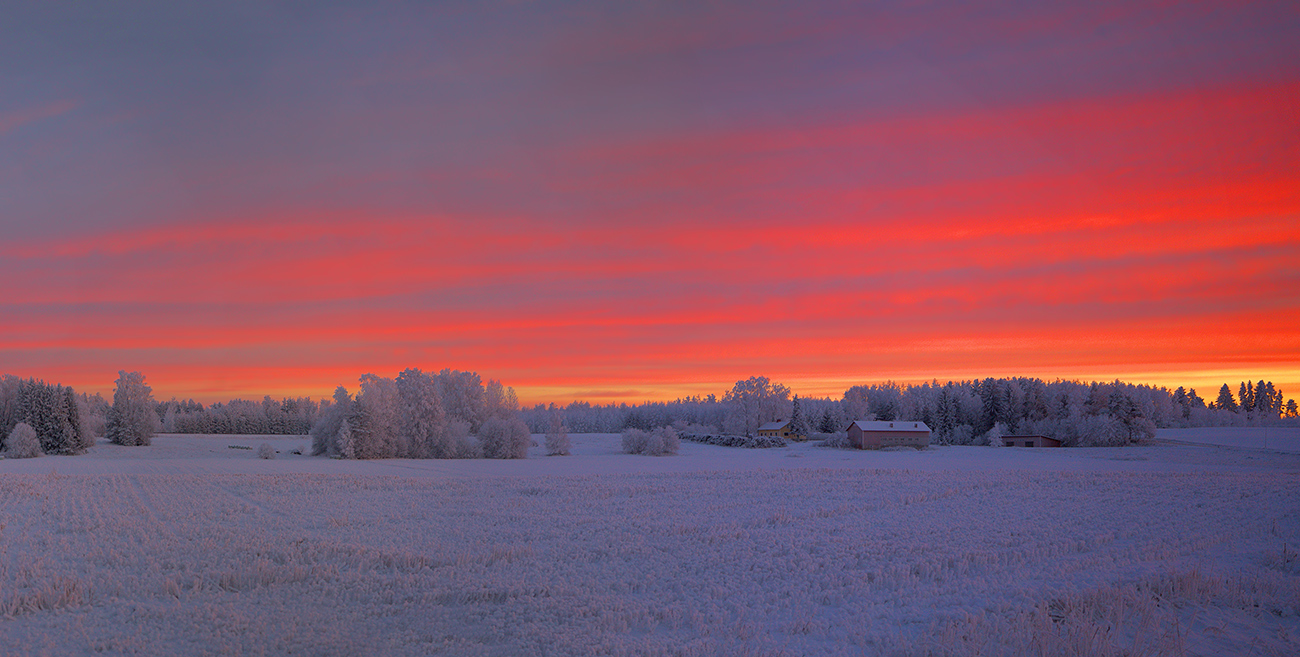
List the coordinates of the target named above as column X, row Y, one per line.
column 1030, row 441
column 871, row 434
column 782, row 429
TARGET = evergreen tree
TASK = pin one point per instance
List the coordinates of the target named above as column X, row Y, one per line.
column 76, row 439
column 799, row 423
column 1183, row 403
column 1291, row 409
column 1225, row 401
column 1246, row 393
column 828, row 424
column 1267, row 401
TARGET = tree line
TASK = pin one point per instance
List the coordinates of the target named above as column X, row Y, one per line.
column 958, row 412
column 453, row 414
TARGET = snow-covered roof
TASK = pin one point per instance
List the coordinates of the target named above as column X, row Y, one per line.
column 891, row 425
column 773, row 426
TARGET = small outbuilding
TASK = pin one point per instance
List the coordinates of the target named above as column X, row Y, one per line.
column 875, row 434
column 1030, row 441
column 782, row 429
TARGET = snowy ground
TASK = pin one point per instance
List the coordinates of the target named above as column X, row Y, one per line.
column 1277, row 439
column 190, row 547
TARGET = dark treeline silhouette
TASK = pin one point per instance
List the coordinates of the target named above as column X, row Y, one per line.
column 959, row 412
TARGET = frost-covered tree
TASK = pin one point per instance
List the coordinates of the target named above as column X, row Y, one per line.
column 52, row 411
column 423, row 421
column 557, row 436
column 377, row 419
column 993, row 437
column 265, row 451
column 1183, row 403
column 76, row 435
column 460, row 445
column 754, row 401
column 462, row 397
column 504, row 438
column 799, row 423
column 659, row 442
column 345, row 446
column 499, row 400
column 1291, row 409
column 829, row 423
column 22, row 443
column 132, row 419
column 325, row 432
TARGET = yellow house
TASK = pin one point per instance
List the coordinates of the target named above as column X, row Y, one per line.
column 780, row 429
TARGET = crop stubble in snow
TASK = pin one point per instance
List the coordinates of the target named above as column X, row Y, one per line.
column 793, row 561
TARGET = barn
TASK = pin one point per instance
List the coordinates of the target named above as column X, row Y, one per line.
column 875, row 434
column 782, row 429
column 1030, row 441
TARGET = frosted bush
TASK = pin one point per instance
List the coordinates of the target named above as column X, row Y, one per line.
column 265, row 451
column 22, row 443
column 654, row 444
column 962, row 434
column 748, row 442
column 557, row 441
column 634, row 441
column 459, row 444
column 659, row 442
column 503, row 438
column 994, row 436
column 834, row 440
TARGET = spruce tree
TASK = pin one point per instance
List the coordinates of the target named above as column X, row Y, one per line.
column 1225, row 401
column 798, row 421
column 1182, row 402
column 828, row 424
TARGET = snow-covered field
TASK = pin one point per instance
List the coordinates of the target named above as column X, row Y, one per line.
column 1281, row 439
column 190, row 547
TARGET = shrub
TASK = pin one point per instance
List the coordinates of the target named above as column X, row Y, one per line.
column 749, row 442
column 503, row 438
column 557, row 442
column 836, row 441
column 22, row 443
column 659, row 442
column 994, row 436
column 634, row 441
column 265, row 451
column 459, row 444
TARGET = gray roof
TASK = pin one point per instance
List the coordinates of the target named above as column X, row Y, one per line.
column 891, row 425
column 771, row 426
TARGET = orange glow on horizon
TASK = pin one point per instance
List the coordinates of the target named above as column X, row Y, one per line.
column 663, row 206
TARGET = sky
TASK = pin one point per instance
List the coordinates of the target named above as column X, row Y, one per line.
column 644, row 200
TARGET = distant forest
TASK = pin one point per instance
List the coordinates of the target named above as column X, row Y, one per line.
column 958, row 412
column 964, row 412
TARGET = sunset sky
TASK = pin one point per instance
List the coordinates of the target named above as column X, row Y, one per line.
column 625, row 201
